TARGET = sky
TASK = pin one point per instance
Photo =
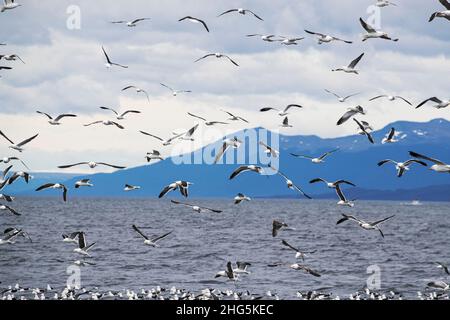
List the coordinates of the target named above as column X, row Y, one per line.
column 64, row 71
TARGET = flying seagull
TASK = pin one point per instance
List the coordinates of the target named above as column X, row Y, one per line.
column 154, row 155
column 443, row 267
column 234, row 143
column 132, row 23
column 129, row 188
column 290, row 184
column 9, row 5
column 364, row 131
column 105, row 123
column 11, row 57
column 402, row 167
column 438, row 166
column 175, row 92
column 20, row 174
column 299, row 253
column 277, row 226
column 71, row 238
column 109, row 63
column 19, row 146
column 194, row 20
column 241, row 198
column 324, row 38
column 264, row 37
column 234, row 117
column 298, row 267
column 342, row 99
column 350, row 113
column 351, row 67
column 54, row 186
column 4, row 207
column 83, row 183
column 332, row 185
column 290, row 41
column 183, row 186
column 56, row 121
column 165, row 143
column 342, row 199
column 83, row 248
column 11, row 236
column 391, row 98
column 365, row 225
column 285, row 123
column 440, row 103
column 218, row 56
column 91, row 165
column 241, row 11
column 384, row 3
column 7, row 160
column 373, row 34
column 207, row 123
column 390, row 138
column 196, row 208
column 151, row 241
column 4, row 177
column 442, row 14
column 242, row 169
column 269, row 150
column 121, row 116
column 229, row 273
column 6, row 197
column 284, row 112
column 138, row 90
column 319, row 160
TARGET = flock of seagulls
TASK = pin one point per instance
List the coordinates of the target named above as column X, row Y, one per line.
column 233, row 271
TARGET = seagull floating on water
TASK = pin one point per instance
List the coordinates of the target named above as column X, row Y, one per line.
column 438, row 166
column 54, row 186
column 442, row 14
column 132, row 23
column 342, row 99
column 91, row 165
column 56, row 121
column 374, row 34
column 183, row 186
column 241, row 11
column 194, row 20
column 121, row 116
column 351, row 67
column 365, row 225
column 196, row 208
column 19, row 146
column 218, row 56
column 318, row 160
column 109, row 63
column 324, row 38
column 151, row 241
column 402, row 167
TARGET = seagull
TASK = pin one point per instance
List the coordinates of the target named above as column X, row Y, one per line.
column 391, row 98
column 11, row 236
column 207, row 123
column 350, row 113
column 299, row 254
column 264, row 37
column 384, row 3
column 241, row 267
column 151, row 241
column 438, row 166
column 440, row 103
column 54, row 186
column 229, row 273
column 343, row 201
column 105, row 123
column 218, row 56
column 7, row 160
column 332, row 185
column 439, row 285
column 164, row 142
column 183, row 186
column 300, row 267
column 402, row 167
column 269, row 150
column 9, row 5
column 290, row 41
column 11, row 57
column 319, row 160
column 175, row 93
column 351, row 67
column 154, row 155
column 196, row 208
column 390, row 138
column 109, row 63
column 83, row 263
column 242, row 169
column 4, row 179
column 241, row 11
column 290, row 184
column 20, row 174
column 365, row 225
column 240, row 198
column 342, row 99
column 138, row 90
column 442, row 14
column 364, row 131
column 277, row 226
column 323, row 38
column 131, row 188
column 121, row 116
column 83, row 249
column 56, row 121
column 91, row 165
column 443, row 267
column 83, row 183
column 285, row 123
column 284, row 112
column 194, row 20
column 234, row 117
column 373, row 34
column 187, row 136
column 130, row 23
column 72, row 237
column 19, row 146
column 4, row 207
column 234, row 143
column 6, row 197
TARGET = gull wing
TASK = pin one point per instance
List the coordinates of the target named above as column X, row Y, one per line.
column 110, row 165
column 238, row 172
column 366, row 26
column 353, row 64
column 151, row 135
column 27, row 140
column 420, row 156
column 376, row 223
column 4, row 136
column 193, row 115
column 64, row 116
column 45, row 114
column 445, row 3
column 135, row 228
column 106, row 108
column 161, row 237
column 434, row 99
column 226, row 12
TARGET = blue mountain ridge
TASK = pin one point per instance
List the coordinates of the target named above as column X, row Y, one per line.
column 355, row 161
